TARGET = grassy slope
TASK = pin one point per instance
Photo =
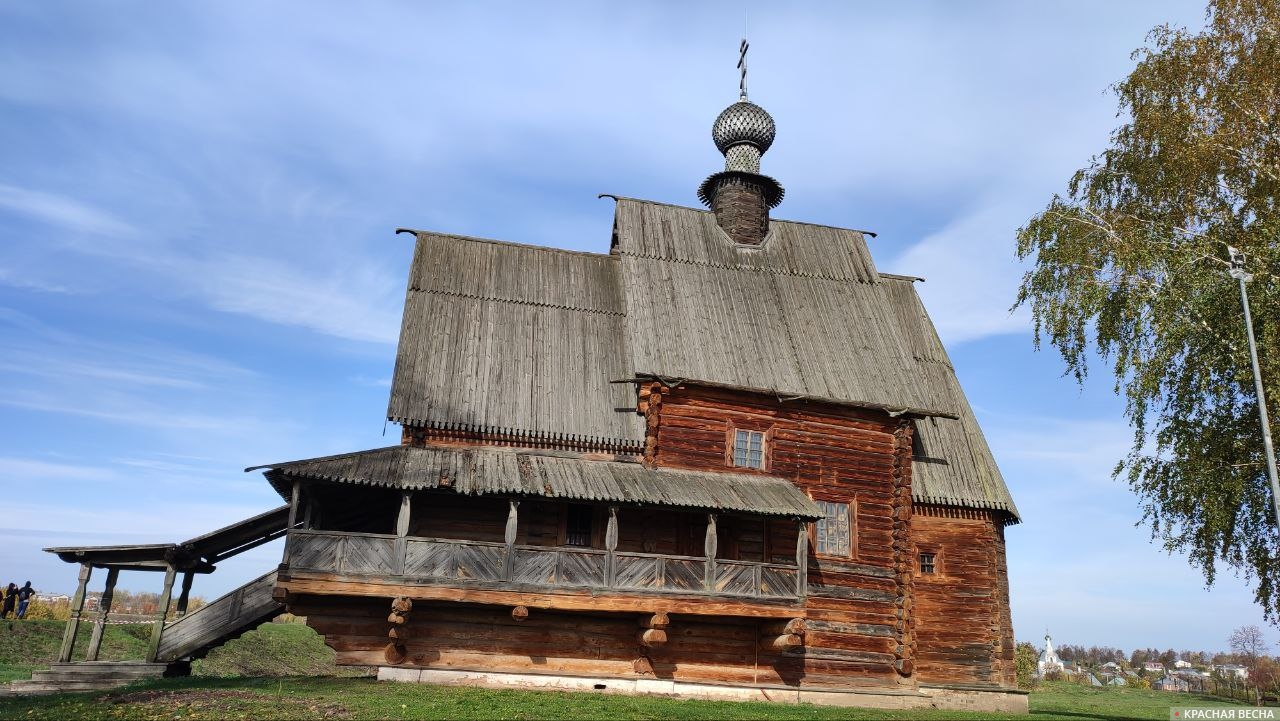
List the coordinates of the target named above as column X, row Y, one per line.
column 274, row 649
column 368, row 699
column 28, row 645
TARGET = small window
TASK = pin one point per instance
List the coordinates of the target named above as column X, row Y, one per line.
column 748, row 449
column 832, row 533
column 928, row 563
column 577, row 526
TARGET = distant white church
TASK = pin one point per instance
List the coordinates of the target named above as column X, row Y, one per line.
column 1049, row 661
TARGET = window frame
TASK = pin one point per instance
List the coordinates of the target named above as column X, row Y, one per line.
column 851, row 506
column 937, row 562
column 766, row 446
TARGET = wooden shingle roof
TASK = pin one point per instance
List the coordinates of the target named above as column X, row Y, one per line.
column 526, row 340
column 513, row 338
column 508, row 472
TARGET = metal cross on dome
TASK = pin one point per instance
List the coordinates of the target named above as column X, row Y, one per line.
column 742, row 67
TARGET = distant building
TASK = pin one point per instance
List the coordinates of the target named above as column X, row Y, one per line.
column 1181, row 664
column 1231, row 669
column 1153, row 666
column 1118, row 681
column 1172, row 683
column 1049, row 661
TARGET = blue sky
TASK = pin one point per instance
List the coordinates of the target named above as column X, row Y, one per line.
column 198, row 270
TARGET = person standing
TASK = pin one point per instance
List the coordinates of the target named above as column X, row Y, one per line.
column 10, row 599
column 24, row 599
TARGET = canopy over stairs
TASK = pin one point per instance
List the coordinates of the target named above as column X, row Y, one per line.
column 174, row 643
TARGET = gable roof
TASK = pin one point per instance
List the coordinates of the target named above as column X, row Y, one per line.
column 512, row 338
column 527, row 341
column 803, row 314
column 503, row 471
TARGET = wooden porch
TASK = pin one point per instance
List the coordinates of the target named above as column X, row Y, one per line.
column 409, row 561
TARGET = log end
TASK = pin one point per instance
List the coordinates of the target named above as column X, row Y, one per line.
column 394, row 654
column 653, row 637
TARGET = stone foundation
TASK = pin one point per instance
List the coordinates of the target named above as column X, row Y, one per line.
column 940, row 697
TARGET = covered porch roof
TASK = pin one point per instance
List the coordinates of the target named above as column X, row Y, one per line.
column 197, row 554
column 548, row 474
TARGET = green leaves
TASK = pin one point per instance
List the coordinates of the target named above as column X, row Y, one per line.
column 1131, row 264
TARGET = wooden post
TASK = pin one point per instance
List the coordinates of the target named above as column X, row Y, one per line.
column 513, row 520
column 610, row 544
column 402, row 519
column 187, row 578
column 802, row 558
column 104, row 607
column 293, row 519
column 709, row 548
column 73, row 622
column 166, row 597
column 402, row 529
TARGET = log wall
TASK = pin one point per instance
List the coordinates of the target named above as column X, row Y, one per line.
column 962, row 618
column 870, row 617
column 859, row 627
column 490, row 638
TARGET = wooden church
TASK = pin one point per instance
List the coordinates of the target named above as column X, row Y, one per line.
column 726, row 458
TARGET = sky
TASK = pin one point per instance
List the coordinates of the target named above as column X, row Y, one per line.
column 199, row 271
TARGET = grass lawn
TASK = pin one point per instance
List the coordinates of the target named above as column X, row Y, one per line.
column 261, row 676
column 28, row 645
column 363, row 698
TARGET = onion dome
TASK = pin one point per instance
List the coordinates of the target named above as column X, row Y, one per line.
column 743, row 122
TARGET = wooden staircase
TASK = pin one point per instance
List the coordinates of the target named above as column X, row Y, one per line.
column 215, row 623
column 84, row 676
column 190, row 637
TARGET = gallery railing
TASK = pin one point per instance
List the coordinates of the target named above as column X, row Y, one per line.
column 436, row 559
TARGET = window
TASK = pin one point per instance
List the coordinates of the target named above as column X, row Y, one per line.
column 748, row 449
column 577, row 526
column 832, row 535
column 928, row 563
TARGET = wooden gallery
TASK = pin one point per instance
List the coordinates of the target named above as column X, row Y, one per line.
column 727, row 458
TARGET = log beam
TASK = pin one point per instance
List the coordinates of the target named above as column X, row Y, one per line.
column 709, row 549
column 104, row 608
column 792, row 626
column 295, row 498
column 802, row 558
column 785, row 642
column 308, row 583
column 512, row 532
column 77, row 608
column 185, row 596
column 520, row 613
column 162, row 610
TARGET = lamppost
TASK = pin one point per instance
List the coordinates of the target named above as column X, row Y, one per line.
column 1237, row 271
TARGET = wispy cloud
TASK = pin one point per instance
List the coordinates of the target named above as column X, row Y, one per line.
column 133, row 411
column 61, row 211
column 26, row 470
column 360, row 303
column 14, row 279
column 971, row 277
